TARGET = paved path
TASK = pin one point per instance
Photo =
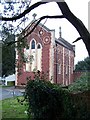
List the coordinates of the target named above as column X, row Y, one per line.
column 10, row 92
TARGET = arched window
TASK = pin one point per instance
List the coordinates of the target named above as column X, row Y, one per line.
column 35, row 50
column 38, row 46
column 39, row 56
column 33, row 44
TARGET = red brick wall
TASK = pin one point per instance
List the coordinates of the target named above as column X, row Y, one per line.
column 22, row 75
column 77, row 75
column 67, row 60
column 58, row 60
column 58, row 78
column 45, row 59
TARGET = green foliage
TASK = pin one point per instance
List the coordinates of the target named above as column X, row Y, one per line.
column 21, row 44
column 81, row 84
column 10, row 8
column 46, row 100
column 51, row 102
column 81, row 107
column 9, row 30
column 83, row 65
column 8, row 56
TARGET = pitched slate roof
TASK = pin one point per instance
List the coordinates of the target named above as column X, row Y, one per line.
column 64, row 43
column 60, row 40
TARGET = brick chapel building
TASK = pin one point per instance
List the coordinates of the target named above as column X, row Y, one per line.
column 47, row 54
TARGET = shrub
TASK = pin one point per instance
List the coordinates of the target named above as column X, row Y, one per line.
column 45, row 100
column 81, row 84
column 81, row 105
column 51, row 102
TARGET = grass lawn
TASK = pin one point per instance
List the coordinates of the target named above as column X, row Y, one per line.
column 0, row 86
column 5, row 86
column 11, row 108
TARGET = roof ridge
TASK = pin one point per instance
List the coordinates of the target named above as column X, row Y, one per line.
column 33, row 21
column 65, row 43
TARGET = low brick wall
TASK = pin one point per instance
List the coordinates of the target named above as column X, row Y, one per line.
column 78, row 74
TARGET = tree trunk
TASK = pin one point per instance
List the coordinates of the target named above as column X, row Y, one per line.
column 77, row 23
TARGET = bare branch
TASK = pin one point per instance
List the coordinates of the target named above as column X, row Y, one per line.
column 79, row 38
column 22, row 14
column 36, row 22
column 77, row 23
column 40, row 19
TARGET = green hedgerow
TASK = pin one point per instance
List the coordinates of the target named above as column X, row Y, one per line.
column 49, row 101
column 45, row 100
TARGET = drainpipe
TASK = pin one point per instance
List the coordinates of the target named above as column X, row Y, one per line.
column 56, row 63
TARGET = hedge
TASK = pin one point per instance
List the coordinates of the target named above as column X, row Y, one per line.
column 51, row 102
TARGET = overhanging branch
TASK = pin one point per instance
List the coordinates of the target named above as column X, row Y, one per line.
column 40, row 19
column 22, row 14
column 36, row 22
column 77, row 23
column 79, row 38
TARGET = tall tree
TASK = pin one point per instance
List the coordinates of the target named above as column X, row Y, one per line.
column 83, row 65
column 8, row 32
column 8, row 53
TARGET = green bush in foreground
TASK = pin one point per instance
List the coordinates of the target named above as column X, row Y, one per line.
column 51, row 102
column 46, row 100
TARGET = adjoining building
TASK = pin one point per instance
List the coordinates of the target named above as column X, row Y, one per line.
column 47, row 54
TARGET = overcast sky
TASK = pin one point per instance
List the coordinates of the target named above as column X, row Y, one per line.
column 69, row 33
